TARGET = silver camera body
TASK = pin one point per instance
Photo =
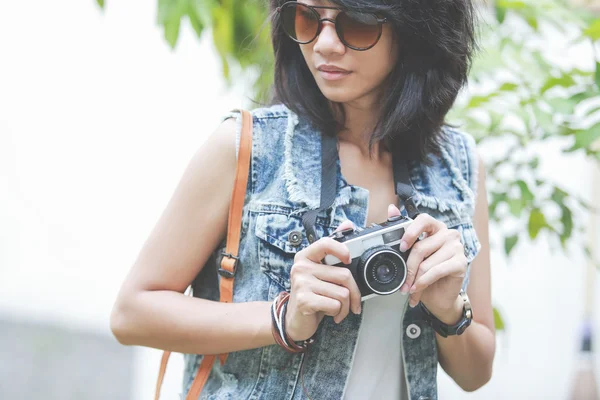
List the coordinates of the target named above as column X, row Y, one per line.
column 378, row 266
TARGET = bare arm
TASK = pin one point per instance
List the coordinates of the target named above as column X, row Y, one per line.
column 468, row 358
column 151, row 309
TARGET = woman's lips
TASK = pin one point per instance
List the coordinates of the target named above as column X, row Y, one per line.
column 332, row 72
column 333, row 75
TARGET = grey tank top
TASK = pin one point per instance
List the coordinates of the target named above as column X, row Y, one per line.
column 378, row 369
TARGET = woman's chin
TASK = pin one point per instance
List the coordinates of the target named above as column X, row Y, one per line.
column 338, row 95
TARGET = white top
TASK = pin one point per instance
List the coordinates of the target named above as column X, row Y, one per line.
column 377, row 370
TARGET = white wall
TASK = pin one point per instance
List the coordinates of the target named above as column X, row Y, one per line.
column 98, row 118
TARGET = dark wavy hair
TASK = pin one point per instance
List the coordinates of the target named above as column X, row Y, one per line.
column 435, row 40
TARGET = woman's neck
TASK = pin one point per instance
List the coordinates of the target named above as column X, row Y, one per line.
column 359, row 122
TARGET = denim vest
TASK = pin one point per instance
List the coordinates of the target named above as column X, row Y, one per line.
column 284, row 183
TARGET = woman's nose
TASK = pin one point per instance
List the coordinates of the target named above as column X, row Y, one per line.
column 328, row 41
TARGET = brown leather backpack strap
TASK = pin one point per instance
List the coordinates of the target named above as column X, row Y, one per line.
column 230, row 258
column 201, row 377
column 161, row 373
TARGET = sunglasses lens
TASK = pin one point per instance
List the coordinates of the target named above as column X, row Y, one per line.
column 360, row 30
column 299, row 22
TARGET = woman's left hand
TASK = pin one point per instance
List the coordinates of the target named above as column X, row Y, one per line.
column 436, row 266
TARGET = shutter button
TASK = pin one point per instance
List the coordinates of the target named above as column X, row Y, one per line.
column 295, row 238
column 413, row 331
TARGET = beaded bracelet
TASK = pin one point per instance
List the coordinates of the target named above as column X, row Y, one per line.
column 278, row 311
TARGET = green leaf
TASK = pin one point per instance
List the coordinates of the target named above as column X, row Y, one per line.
column 204, row 10
column 537, row 221
column 564, row 80
column 580, row 72
column 496, row 198
column 526, row 194
column 543, row 119
column 532, row 21
column 559, row 195
column 542, row 62
column 588, row 252
column 562, row 105
column 515, row 206
column 585, row 138
column 498, row 321
column 567, row 221
column 597, row 74
column 172, row 31
column 593, row 31
column 579, row 97
column 495, row 121
column 590, row 256
column 511, row 4
column 223, row 31
column 196, row 22
column 509, row 243
column 500, row 14
column 477, row 101
column 169, row 15
column 533, row 164
column 100, row 3
column 508, row 87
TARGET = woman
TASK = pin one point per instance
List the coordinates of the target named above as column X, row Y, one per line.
column 379, row 76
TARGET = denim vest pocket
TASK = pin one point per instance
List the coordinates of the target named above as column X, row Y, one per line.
column 281, row 236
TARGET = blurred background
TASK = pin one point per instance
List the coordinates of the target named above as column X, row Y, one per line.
column 103, row 105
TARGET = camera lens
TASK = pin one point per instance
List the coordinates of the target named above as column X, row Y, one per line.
column 385, row 272
column 384, row 269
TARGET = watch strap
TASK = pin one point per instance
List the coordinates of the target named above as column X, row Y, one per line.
column 444, row 329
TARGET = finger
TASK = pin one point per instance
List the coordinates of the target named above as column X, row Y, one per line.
column 414, row 299
column 393, row 211
column 442, row 255
column 322, row 247
column 303, row 274
column 452, row 267
column 343, row 277
column 420, row 251
column 438, row 256
column 423, row 223
column 333, row 291
column 309, row 303
column 347, row 224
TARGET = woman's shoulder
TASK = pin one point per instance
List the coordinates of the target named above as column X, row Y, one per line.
column 272, row 111
column 448, row 184
column 461, row 148
column 264, row 120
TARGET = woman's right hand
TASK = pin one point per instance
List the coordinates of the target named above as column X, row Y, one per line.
column 319, row 289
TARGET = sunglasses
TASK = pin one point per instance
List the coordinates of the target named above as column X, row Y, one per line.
column 356, row 30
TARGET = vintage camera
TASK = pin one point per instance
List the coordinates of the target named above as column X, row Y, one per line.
column 378, row 266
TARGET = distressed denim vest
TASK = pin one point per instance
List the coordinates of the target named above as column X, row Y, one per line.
column 284, row 183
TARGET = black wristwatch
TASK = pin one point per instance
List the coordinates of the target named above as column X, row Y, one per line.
column 446, row 330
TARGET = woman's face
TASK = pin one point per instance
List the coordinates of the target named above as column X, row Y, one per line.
column 366, row 70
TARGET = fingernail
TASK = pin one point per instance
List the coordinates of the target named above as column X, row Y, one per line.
column 359, row 309
column 404, row 288
column 413, row 289
column 403, row 246
column 412, row 303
